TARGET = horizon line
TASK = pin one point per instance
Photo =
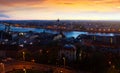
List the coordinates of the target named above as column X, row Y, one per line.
column 55, row 19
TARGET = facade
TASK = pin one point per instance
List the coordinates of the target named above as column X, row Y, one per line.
column 2, row 53
column 69, row 52
column 101, row 40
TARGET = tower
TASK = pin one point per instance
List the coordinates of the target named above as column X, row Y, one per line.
column 7, row 27
column 58, row 21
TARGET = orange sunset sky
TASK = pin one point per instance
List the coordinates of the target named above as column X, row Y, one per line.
column 62, row 9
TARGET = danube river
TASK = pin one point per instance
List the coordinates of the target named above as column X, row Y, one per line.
column 39, row 30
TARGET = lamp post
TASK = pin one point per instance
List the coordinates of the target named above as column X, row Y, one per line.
column 61, row 71
column 80, row 55
column 24, row 70
column 109, row 62
column 33, row 60
column 23, row 53
column 3, row 68
column 64, row 61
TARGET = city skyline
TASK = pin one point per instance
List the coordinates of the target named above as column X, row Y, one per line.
column 62, row 9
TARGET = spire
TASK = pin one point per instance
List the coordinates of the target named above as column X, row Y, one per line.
column 7, row 27
column 58, row 20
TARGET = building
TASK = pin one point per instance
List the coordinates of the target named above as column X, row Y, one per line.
column 69, row 52
column 100, row 40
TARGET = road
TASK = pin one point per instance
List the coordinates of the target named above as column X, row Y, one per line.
column 30, row 65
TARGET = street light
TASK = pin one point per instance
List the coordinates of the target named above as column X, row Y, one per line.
column 61, row 71
column 40, row 51
column 33, row 60
column 64, row 61
column 109, row 62
column 57, row 63
column 23, row 55
column 80, row 55
column 113, row 66
column 3, row 67
column 24, row 70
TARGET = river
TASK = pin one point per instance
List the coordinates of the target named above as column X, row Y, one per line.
column 39, row 30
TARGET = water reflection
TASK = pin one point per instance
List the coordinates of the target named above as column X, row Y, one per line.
column 67, row 34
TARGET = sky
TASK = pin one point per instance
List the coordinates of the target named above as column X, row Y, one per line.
column 62, row 9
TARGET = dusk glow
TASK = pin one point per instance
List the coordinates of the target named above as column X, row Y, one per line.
column 63, row 9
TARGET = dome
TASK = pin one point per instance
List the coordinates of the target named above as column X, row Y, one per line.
column 69, row 46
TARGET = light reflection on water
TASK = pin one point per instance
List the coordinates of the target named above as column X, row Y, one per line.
column 67, row 34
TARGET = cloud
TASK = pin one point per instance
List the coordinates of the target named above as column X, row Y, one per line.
column 65, row 3
column 1, row 11
column 20, row 2
column 68, row 3
column 4, row 16
column 7, row 6
column 23, row 9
